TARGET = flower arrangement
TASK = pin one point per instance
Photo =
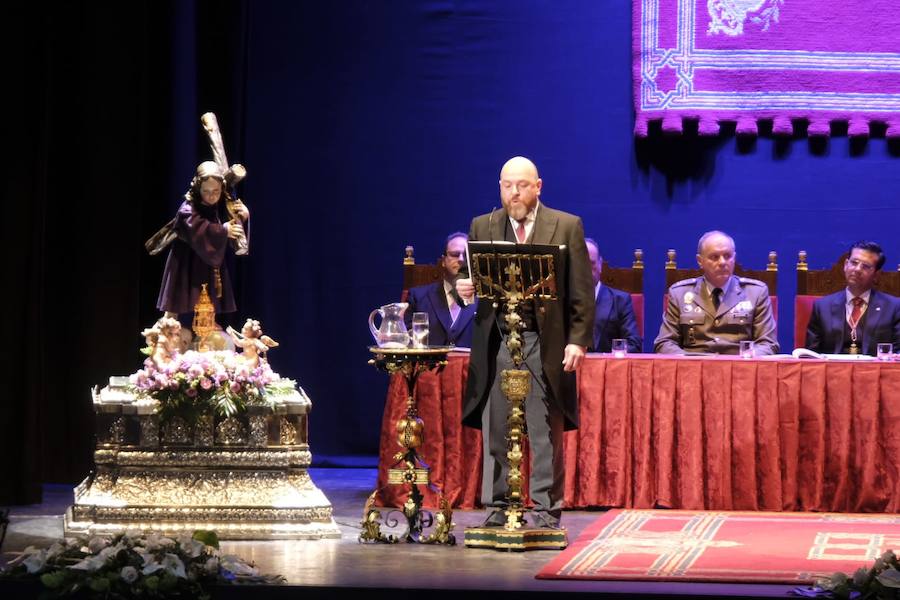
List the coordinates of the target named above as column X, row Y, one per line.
column 135, row 566
column 881, row 581
column 197, row 383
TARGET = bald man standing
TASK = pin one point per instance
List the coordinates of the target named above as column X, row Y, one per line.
column 555, row 338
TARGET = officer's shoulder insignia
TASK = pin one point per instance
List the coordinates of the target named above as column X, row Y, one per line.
column 750, row 281
column 684, row 282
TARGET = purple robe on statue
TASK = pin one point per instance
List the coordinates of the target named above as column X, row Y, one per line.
column 193, row 258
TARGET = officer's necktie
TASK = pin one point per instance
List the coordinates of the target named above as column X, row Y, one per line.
column 717, row 297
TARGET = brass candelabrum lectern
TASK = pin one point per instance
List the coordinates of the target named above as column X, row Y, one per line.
column 409, row 468
column 508, row 275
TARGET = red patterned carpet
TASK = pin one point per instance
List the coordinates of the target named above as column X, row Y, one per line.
column 762, row 547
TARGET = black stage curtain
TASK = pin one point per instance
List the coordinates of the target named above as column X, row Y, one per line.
column 92, row 90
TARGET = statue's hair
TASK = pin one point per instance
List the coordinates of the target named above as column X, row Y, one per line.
column 255, row 327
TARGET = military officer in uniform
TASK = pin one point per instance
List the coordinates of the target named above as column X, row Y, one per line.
column 715, row 312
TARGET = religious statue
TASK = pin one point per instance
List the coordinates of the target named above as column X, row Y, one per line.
column 253, row 343
column 210, row 219
column 163, row 341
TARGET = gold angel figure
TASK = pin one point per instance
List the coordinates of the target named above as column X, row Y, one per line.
column 252, row 342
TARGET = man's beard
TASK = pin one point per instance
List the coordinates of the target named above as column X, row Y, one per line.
column 517, row 212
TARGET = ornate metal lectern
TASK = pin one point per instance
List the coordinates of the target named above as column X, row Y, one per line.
column 409, row 468
column 508, row 275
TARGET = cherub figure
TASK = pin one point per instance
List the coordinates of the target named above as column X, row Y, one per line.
column 253, row 343
column 163, row 341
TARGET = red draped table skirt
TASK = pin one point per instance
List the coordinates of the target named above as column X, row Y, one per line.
column 719, row 433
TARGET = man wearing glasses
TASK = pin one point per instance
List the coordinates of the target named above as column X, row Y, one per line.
column 449, row 318
column 858, row 318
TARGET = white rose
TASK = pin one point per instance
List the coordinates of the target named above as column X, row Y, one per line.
column 97, row 544
column 35, row 561
column 212, row 565
column 173, row 565
column 129, row 574
column 237, row 566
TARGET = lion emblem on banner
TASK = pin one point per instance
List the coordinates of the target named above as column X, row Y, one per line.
column 729, row 16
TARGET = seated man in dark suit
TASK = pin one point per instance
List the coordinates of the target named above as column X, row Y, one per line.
column 449, row 319
column 615, row 314
column 858, row 318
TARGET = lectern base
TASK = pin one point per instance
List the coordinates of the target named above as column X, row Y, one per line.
column 518, row 540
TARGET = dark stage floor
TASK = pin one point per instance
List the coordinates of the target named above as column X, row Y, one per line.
column 400, row 570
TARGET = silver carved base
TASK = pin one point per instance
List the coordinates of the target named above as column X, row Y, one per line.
column 244, row 477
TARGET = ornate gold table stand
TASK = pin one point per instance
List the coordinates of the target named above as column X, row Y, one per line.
column 243, row 476
column 409, row 468
column 512, row 278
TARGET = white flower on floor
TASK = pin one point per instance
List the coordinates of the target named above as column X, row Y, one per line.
column 97, row 565
column 190, row 546
column 55, row 550
column 237, row 566
column 34, row 559
column 212, row 565
column 97, row 544
column 155, row 542
column 173, row 565
column 129, row 574
column 92, row 563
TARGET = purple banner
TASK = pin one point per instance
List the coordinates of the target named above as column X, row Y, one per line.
column 746, row 60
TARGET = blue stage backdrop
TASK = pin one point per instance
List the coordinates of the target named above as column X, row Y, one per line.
column 368, row 126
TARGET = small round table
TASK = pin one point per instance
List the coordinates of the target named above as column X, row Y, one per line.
column 410, row 469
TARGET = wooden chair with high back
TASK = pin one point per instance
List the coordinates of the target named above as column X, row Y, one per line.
column 769, row 276
column 415, row 275
column 815, row 283
column 629, row 280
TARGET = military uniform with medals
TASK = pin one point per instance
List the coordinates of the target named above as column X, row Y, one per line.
column 692, row 323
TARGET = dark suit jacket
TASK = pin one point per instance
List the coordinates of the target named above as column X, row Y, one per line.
column 431, row 299
column 825, row 333
column 568, row 320
column 615, row 319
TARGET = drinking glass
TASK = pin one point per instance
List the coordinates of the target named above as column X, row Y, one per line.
column 747, row 350
column 420, row 330
column 885, row 351
column 619, row 347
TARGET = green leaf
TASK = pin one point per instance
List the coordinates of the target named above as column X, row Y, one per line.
column 152, row 582
column 53, row 579
column 841, row 591
column 99, row 584
column 168, row 582
column 207, row 537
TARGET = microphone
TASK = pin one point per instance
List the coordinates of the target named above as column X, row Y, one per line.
column 490, row 222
